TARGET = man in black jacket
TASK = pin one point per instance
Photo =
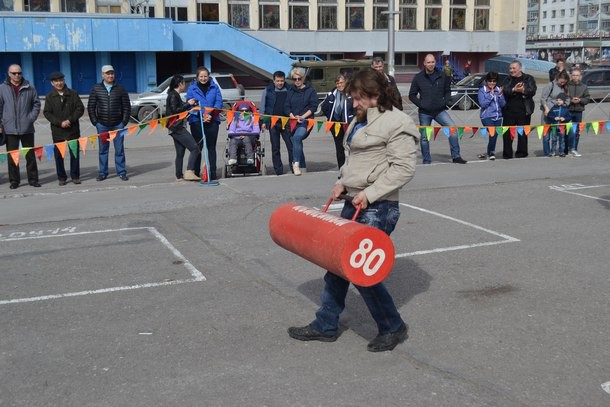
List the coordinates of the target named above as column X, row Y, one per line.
column 63, row 108
column 109, row 110
column 377, row 65
column 434, row 89
column 519, row 90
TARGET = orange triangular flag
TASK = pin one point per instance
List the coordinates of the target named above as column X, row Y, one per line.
column 274, row 120
column 329, row 125
column 153, row 126
column 38, row 152
column 15, row 156
column 527, row 130
column 112, row 134
column 492, row 131
column 310, row 123
column 230, row 116
column 131, row 130
column 83, row 145
column 61, row 146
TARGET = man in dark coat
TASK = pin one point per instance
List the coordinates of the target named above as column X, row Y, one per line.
column 19, row 109
column 63, row 109
column 109, row 110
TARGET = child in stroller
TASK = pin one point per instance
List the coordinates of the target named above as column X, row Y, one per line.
column 244, row 130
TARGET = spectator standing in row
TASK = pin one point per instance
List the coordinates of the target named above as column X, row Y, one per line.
column 63, row 109
column 430, row 91
column 519, row 90
column 559, row 114
column 377, row 64
column 207, row 94
column 549, row 96
column 301, row 103
column 19, row 109
column 554, row 71
column 109, row 110
column 579, row 97
column 337, row 107
column 447, row 69
column 491, row 100
column 183, row 140
column 272, row 103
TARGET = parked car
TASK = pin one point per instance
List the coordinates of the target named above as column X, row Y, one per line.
column 464, row 94
column 151, row 105
column 598, row 82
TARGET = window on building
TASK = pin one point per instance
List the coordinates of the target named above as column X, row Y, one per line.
column 74, row 6
column 35, row 5
column 208, row 12
column 481, row 15
column 561, row 28
column 239, row 14
column 562, row 13
column 553, row 28
column 532, row 16
column 433, row 14
column 108, row 6
column 571, row 28
column 269, row 15
column 327, row 14
column 380, row 16
column 142, row 7
column 299, row 15
column 7, row 5
column 457, row 14
column 176, row 13
column 354, row 14
column 553, row 13
column 544, row 28
column 572, row 12
column 544, row 14
column 532, row 30
column 408, row 15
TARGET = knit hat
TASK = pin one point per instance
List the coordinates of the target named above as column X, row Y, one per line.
column 244, row 106
column 562, row 96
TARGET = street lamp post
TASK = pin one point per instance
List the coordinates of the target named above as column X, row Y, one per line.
column 390, row 58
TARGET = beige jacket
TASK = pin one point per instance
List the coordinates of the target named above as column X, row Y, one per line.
column 381, row 157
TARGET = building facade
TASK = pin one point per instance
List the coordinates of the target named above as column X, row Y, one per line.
column 577, row 31
column 458, row 30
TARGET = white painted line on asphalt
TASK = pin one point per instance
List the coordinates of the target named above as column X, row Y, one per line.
column 606, row 387
column 506, row 238
column 100, row 291
column 568, row 189
column 196, row 274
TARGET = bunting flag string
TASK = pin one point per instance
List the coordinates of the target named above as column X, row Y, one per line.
column 597, row 127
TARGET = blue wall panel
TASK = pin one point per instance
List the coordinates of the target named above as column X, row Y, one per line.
column 133, row 35
column 18, row 33
column 48, row 35
column 78, row 34
column 105, row 34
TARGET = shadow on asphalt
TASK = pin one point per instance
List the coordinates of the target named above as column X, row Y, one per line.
column 405, row 282
column 606, row 203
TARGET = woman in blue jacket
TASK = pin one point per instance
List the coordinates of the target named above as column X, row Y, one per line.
column 207, row 94
column 301, row 103
column 491, row 100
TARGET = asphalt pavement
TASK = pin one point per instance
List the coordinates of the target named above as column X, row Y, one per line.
column 156, row 293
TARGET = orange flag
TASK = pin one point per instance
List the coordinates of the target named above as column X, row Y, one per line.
column 329, row 125
column 310, row 123
column 83, row 145
column 15, row 156
column 61, row 146
column 38, row 152
column 153, row 126
column 274, row 120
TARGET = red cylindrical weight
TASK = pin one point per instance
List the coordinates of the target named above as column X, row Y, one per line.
column 359, row 253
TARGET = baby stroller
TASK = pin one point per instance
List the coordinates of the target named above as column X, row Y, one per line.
column 244, row 128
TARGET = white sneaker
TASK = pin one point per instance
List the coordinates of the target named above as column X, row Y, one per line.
column 250, row 160
column 296, row 169
column 232, row 161
column 189, row 175
column 576, row 153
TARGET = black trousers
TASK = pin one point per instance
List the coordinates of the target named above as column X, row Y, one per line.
column 275, row 133
column 74, row 162
column 511, row 119
column 12, row 143
column 339, row 150
column 211, row 137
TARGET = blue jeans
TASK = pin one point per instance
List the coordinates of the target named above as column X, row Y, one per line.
column 557, row 138
column 382, row 215
column 443, row 119
column 119, row 150
column 491, row 144
column 275, row 133
column 574, row 135
column 300, row 134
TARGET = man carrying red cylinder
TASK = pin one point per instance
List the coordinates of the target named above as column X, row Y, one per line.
column 380, row 159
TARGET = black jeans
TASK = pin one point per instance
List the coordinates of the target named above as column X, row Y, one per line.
column 211, row 136
column 183, row 140
column 275, row 133
column 12, row 143
column 340, row 151
column 74, row 162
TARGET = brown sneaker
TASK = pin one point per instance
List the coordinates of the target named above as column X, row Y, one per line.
column 76, row 181
column 62, row 182
column 189, row 175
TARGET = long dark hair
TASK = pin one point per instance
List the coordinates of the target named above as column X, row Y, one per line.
column 176, row 81
column 372, row 83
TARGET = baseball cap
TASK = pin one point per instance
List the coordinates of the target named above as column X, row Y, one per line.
column 107, row 68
